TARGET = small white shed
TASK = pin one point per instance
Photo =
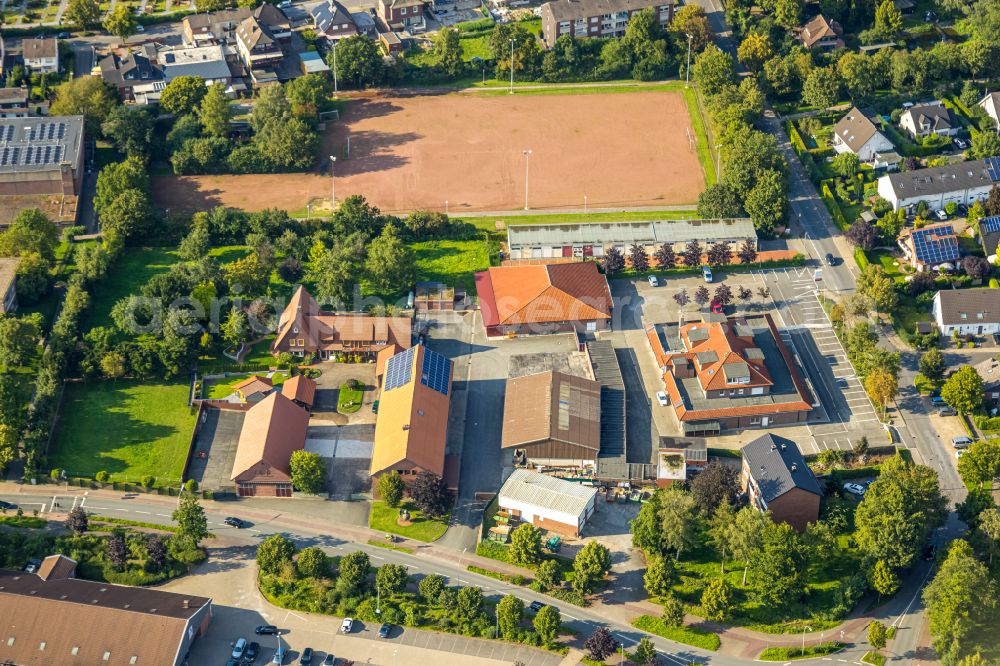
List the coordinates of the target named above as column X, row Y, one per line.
column 548, row 502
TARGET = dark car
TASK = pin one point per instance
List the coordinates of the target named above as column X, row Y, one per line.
column 947, row 411
column 235, row 522
column 384, row 630
column 929, row 552
column 936, row 399
column 307, row 657
column 253, row 649
column 62, row 35
column 536, row 606
column 7, row 506
column 265, row 629
column 830, row 259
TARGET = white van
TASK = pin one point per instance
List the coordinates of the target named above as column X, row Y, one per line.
column 706, row 272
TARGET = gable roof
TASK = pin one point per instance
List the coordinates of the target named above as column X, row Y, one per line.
column 552, row 405
column 970, row 302
column 991, row 103
column 412, row 425
column 934, row 244
column 547, row 492
column 300, row 388
column 940, row 180
column 855, row 129
column 55, row 567
column 330, row 14
column 254, row 33
column 777, row 466
column 937, row 116
column 254, row 384
column 724, row 351
column 41, row 47
column 273, row 429
column 511, row 295
column 819, row 28
column 989, row 234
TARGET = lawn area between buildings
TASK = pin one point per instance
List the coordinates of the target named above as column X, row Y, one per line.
column 452, row 262
column 349, row 398
column 221, row 388
column 125, row 427
column 700, row 638
column 383, row 518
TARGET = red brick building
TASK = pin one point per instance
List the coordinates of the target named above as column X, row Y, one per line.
column 775, row 478
column 273, row 430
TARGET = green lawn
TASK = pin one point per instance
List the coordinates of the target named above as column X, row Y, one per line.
column 224, row 387
column 791, row 653
column 873, row 658
column 349, row 399
column 125, row 427
column 131, row 271
column 383, row 519
column 700, row 638
column 451, row 262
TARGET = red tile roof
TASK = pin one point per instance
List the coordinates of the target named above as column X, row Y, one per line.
column 300, row 388
column 511, row 295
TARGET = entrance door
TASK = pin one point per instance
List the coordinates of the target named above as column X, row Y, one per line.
column 764, row 421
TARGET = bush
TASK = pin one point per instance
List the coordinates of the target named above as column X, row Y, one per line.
column 102, row 477
column 190, row 485
column 148, row 481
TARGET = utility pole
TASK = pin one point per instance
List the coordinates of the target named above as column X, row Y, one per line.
column 687, row 70
column 335, row 65
column 333, row 184
column 527, row 156
column 512, row 67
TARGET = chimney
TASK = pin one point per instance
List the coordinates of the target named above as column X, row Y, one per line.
column 185, row 604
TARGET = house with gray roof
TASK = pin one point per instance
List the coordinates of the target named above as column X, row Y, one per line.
column 991, row 105
column 856, row 134
column 967, row 311
column 962, row 182
column 332, row 20
column 927, row 119
column 548, row 502
column 775, row 478
column 596, row 18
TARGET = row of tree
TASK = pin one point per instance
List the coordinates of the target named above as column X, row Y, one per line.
column 718, row 254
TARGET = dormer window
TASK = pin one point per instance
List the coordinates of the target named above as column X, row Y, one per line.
column 963, row 316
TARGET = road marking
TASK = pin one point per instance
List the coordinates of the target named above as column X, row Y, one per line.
column 162, row 515
column 257, row 531
column 144, row 512
column 376, row 557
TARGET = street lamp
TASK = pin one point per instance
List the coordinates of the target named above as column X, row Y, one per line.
column 804, row 630
column 687, row 70
column 584, row 203
column 527, row 155
column 335, row 67
column 333, row 183
column 512, row 67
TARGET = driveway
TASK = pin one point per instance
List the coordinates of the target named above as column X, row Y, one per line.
column 347, row 452
column 328, row 390
column 217, row 439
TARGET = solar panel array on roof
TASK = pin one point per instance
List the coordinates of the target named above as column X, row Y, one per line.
column 435, row 372
column 398, row 370
column 933, row 248
column 989, row 224
column 993, row 168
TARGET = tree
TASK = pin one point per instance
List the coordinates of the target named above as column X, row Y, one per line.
column 716, row 484
column 353, row 571
column 126, row 215
column 691, row 20
column 692, row 254
column 358, row 62
column 665, row 257
column 17, row 339
column 659, row 576
column 84, row 13
column 307, row 93
column 884, row 579
column 333, row 274
column 877, row 635
column 766, row 202
column 719, row 201
column 989, row 527
column 273, row 552
column 985, row 144
column 963, row 391
column 677, row 520
column 390, row 488
column 118, row 177
column 31, row 232
column 719, row 253
column 980, row 462
column 862, row 234
column 77, row 521
column 754, row 51
column 977, row 268
column 601, row 644
column 638, row 257
column 747, row 535
column 778, row 566
column 470, row 603
column 723, row 295
column 717, row 600
column 888, row 20
column 614, row 262
column 130, row 129
column 313, row 563
column 214, row 112
column 430, row 494
column 87, row 96
column 682, row 298
column 673, row 611
column 788, row 13
column 509, row 613
column 701, row 296
column 713, row 69
column 117, row 550
column 547, row 575
column 430, row 587
column 390, row 261
column 235, row 329
column 547, row 623
column 747, row 252
column 959, row 601
column 308, row 472
column 590, row 565
column 183, row 95
column 645, row 653
column 449, row 51
column 156, row 552
column 192, row 525
column 882, row 386
column 821, row 87
column 32, row 277
column 846, row 164
column 391, row 579
column 525, row 545
column 876, row 285
column 120, row 22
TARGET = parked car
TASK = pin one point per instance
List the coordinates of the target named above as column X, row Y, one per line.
column 961, row 442
column 384, row 630
column 830, row 259
column 661, row 397
column 62, row 35
column 330, row 660
column 239, row 648
column 653, row 282
column 32, row 565
column 855, row 488
column 253, row 649
column 285, row 4
column 536, row 606
column 7, row 506
column 706, row 273
column 140, row 28
column 960, row 143
column 929, row 551
column 947, row 411
column 941, row 215
column 347, row 626
column 279, row 655
column 235, row 522
column 936, row 399
column 307, row 657
column 266, row 630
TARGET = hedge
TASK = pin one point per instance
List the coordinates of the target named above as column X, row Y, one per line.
column 794, row 652
column 861, row 258
column 797, row 143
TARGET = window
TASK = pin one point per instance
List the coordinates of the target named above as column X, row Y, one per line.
column 302, row 343
column 107, row 656
column 979, row 315
column 962, row 315
column 755, row 420
column 74, row 650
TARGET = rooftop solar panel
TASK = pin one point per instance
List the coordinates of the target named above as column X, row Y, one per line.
column 993, row 168
column 398, row 370
column 435, row 371
column 932, row 248
column 989, row 224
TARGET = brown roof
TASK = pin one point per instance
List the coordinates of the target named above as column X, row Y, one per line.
column 93, row 618
column 55, row 567
column 552, row 406
column 273, row 429
column 574, row 291
column 254, row 384
column 819, row 28
column 8, row 95
column 45, row 47
column 300, row 388
column 855, row 129
column 728, row 345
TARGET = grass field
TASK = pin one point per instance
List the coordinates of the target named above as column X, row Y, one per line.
column 125, row 427
column 349, row 399
column 451, row 262
column 224, row 387
column 383, row 518
column 134, row 268
column 687, row 635
column 792, row 653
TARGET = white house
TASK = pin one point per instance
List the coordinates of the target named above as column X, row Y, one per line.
column 968, row 311
column 547, row 502
column 927, row 119
column 855, row 133
column 41, row 54
column 963, row 183
column 991, row 104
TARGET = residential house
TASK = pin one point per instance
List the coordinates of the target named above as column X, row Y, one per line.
column 205, row 62
column 313, row 63
column 930, row 247
column 926, row 119
column 301, row 390
column 538, row 299
column 332, row 20
column 51, row 617
column 596, row 18
column 259, row 50
column 582, row 241
column 214, row 27
column 989, row 371
column 365, row 23
column 967, row 311
column 991, row 105
column 887, row 161
column 728, row 375
column 856, row 134
column 775, row 478
column 822, row 34
column 126, row 69
column 41, row 155
column 404, row 15
column 553, row 419
column 305, row 329
column 273, row 429
column 673, row 462
column 411, row 432
column 41, row 55
column 547, row 502
column 8, row 283
column 989, row 236
column 253, row 389
column 13, row 102
column 962, row 182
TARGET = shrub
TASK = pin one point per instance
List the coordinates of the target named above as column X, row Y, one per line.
column 190, row 485
column 148, row 481
column 102, row 477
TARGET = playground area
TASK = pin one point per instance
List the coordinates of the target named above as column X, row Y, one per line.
column 469, row 152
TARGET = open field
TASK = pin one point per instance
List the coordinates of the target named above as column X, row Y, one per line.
column 621, row 148
column 125, row 427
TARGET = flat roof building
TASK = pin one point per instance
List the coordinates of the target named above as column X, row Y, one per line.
column 596, row 18
column 41, row 155
column 548, row 502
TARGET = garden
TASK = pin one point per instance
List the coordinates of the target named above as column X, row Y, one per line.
column 349, row 396
column 417, row 526
column 216, row 389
